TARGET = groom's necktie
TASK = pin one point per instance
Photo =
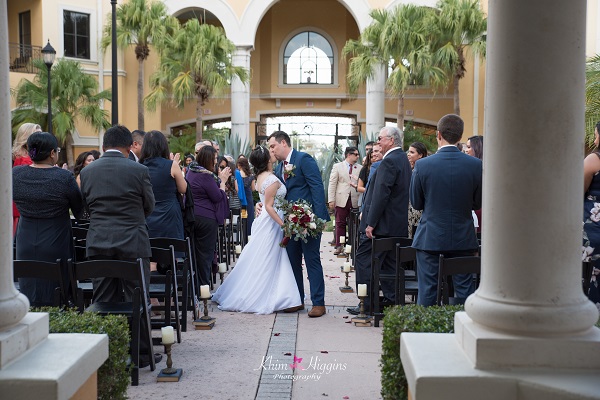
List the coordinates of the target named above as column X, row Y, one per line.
column 283, row 170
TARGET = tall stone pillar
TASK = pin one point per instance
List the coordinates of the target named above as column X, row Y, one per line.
column 13, row 305
column 528, row 331
column 375, row 100
column 240, row 97
column 533, row 181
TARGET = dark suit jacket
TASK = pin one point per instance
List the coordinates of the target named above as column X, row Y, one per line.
column 132, row 156
column 306, row 183
column 386, row 204
column 446, row 186
column 119, row 195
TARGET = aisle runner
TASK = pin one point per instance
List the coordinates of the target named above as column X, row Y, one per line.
column 277, row 366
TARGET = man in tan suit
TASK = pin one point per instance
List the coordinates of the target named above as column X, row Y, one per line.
column 342, row 192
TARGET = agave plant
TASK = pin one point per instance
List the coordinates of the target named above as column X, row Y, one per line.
column 325, row 164
column 235, row 146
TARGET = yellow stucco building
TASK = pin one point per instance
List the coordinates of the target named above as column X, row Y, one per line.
column 266, row 34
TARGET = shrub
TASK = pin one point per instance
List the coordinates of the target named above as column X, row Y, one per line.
column 409, row 318
column 113, row 375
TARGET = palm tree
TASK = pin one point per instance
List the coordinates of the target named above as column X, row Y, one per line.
column 139, row 24
column 74, row 98
column 398, row 38
column 196, row 64
column 592, row 98
column 456, row 26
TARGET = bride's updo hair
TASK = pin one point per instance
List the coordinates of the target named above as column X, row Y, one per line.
column 260, row 158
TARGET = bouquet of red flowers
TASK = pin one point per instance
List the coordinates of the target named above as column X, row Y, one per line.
column 299, row 221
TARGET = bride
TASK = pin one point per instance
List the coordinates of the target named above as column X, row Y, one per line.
column 262, row 281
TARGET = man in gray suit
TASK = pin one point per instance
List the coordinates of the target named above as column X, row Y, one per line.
column 446, row 186
column 119, row 195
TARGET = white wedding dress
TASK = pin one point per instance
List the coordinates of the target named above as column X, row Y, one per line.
column 262, row 281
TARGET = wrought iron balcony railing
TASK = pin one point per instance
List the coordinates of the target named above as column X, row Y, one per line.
column 21, row 57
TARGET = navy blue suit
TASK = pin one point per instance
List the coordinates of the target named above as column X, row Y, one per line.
column 447, row 187
column 307, row 184
column 385, row 208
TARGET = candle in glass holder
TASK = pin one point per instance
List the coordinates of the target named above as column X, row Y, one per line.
column 348, row 249
column 204, row 292
column 168, row 336
column 347, row 266
column 238, row 249
column 222, row 268
column 342, row 239
column 362, row 289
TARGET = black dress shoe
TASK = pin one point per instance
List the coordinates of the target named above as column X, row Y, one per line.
column 353, row 310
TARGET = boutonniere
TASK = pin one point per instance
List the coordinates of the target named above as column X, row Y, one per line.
column 288, row 171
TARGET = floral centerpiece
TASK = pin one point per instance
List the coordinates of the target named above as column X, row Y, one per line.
column 299, row 221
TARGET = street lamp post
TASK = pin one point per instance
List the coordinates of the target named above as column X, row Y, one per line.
column 48, row 53
column 115, row 84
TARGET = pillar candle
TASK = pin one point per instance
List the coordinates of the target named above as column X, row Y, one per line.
column 238, row 249
column 204, row 292
column 348, row 249
column 168, row 336
column 342, row 239
column 222, row 267
column 362, row 289
column 347, row 266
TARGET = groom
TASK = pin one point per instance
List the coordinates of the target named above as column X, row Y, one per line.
column 300, row 173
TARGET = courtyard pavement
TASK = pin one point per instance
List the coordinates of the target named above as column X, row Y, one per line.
column 247, row 356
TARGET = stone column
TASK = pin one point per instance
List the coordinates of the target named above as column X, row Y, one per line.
column 13, row 305
column 240, row 97
column 533, row 175
column 375, row 99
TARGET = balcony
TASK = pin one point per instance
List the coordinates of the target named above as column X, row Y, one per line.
column 22, row 55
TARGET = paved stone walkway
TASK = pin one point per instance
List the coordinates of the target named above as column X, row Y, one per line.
column 331, row 358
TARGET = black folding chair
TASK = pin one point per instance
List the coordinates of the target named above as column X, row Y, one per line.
column 383, row 245
column 136, row 310
column 186, row 275
column 164, row 287
column 51, row 271
column 455, row 266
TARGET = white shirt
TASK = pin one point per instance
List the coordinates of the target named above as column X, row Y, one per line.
column 389, row 151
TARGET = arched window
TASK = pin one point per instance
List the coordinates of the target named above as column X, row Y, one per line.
column 308, row 59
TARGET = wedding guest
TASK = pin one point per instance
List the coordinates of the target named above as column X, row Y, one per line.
column 591, row 225
column 20, row 156
column 415, row 152
column 44, row 195
column 187, row 161
column 249, row 181
column 231, row 187
column 136, row 147
column 82, row 161
column 446, row 186
column 368, row 147
column 210, row 207
column 167, row 183
column 342, row 193
column 475, row 149
column 96, row 154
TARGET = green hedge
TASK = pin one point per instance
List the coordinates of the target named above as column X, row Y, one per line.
column 113, row 375
column 409, row 318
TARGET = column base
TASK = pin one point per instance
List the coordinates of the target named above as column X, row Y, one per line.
column 49, row 367
column 436, row 364
column 489, row 349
